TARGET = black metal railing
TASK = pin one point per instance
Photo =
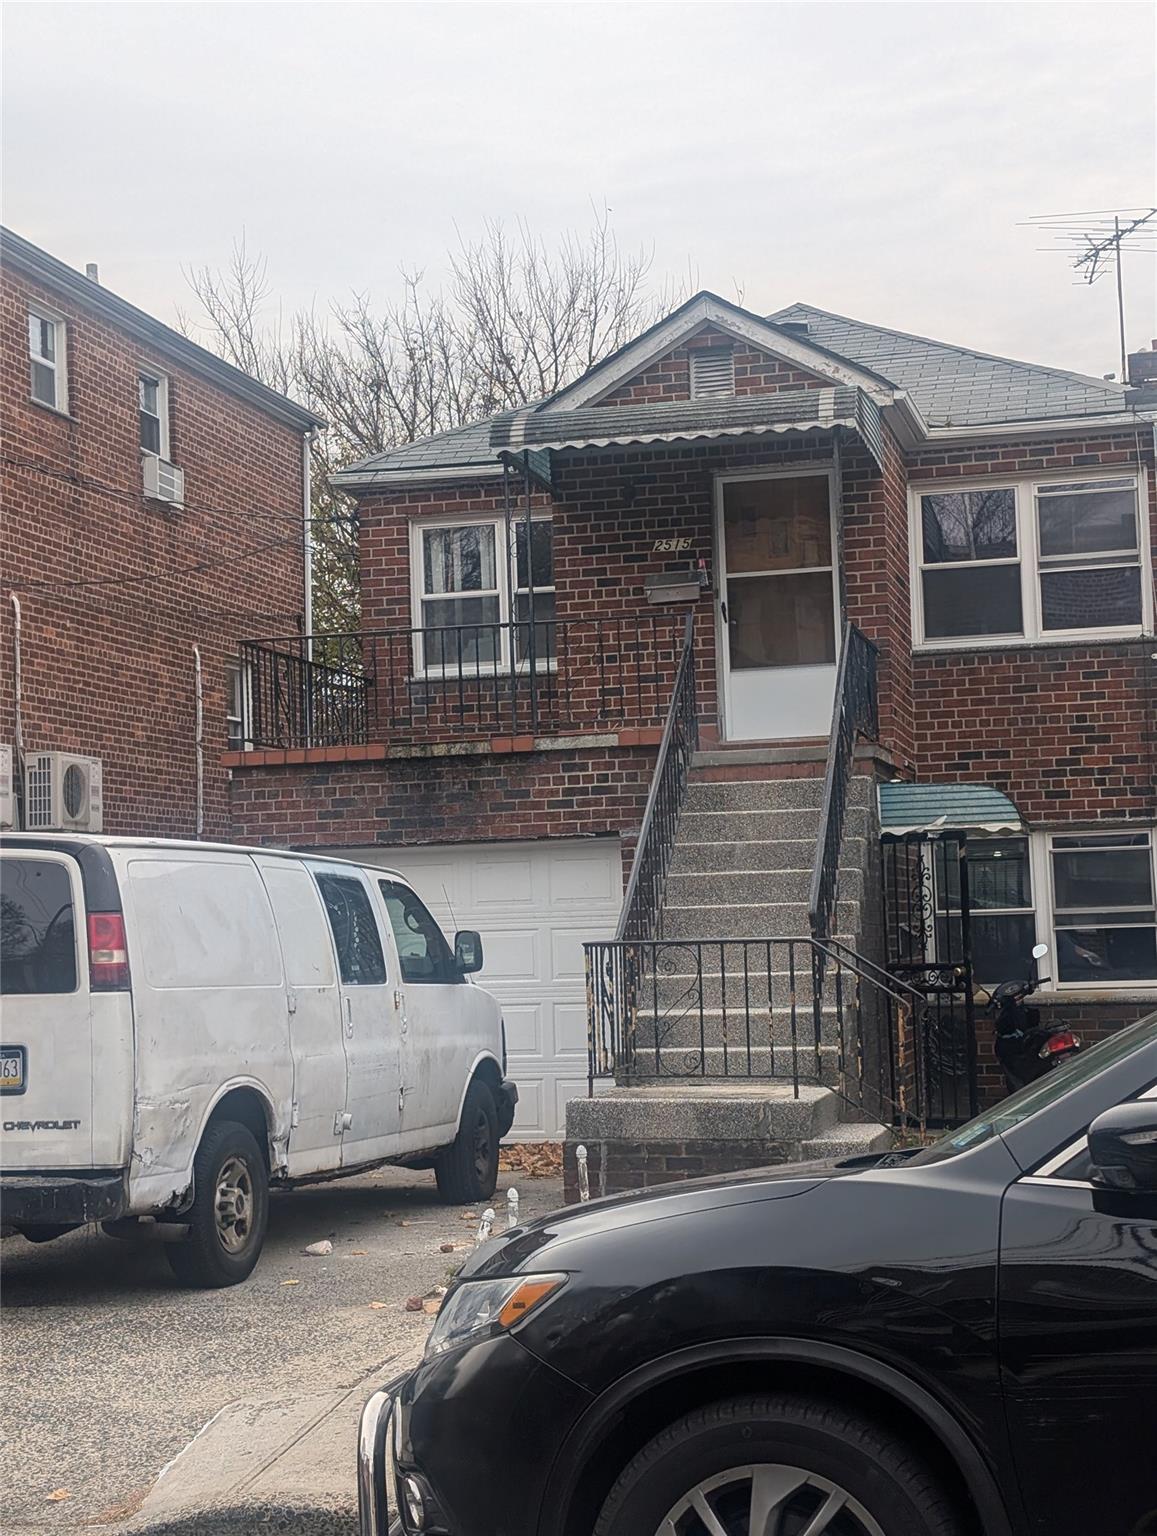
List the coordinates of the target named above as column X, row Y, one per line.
column 440, row 683
column 744, row 1008
column 855, row 713
column 641, row 916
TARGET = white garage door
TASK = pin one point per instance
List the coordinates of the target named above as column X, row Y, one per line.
column 534, row 905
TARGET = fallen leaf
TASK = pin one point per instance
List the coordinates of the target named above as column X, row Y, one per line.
column 432, row 1306
column 446, row 1248
column 58, row 1495
column 405, row 1223
column 379, row 1306
column 413, row 1304
column 358, row 1253
column 291, row 1282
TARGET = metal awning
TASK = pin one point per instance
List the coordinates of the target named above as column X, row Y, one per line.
column 909, row 808
column 789, row 410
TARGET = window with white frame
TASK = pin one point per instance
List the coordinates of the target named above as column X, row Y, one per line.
column 47, row 359
column 1104, row 914
column 1002, row 923
column 1029, row 560
column 236, row 713
column 153, row 392
column 468, row 591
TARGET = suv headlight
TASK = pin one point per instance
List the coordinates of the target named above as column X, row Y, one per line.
column 475, row 1309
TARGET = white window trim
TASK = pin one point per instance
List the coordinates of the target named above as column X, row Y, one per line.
column 59, row 366
column 1040, row 875
column 162, row 380
column 1024, row 488
column 505, row 572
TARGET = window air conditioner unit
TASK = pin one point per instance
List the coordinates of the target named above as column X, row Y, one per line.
column 163, row 481
column 63, row 792
column 7, row 790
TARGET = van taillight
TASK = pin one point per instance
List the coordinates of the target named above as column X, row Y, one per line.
column 108, row 956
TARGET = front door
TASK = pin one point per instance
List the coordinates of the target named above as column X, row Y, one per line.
column 777, row 604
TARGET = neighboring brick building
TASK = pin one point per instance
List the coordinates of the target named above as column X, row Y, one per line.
column 989, row 525
column 153, row 508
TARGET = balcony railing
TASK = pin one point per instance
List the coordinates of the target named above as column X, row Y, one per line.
column 461, row 682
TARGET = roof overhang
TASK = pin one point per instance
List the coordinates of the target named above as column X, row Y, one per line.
column 1056, row 426
column 21, row 255
column 361, row 479
column 599, row 427
column 925, row 810
column 709, row 309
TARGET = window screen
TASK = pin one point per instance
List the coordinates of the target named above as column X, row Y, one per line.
column 37, row 930
column 355, row 931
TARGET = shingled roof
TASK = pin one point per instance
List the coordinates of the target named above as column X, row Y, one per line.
column 957, row 386
column 950, row 386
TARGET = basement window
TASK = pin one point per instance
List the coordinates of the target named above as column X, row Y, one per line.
column 712, row 373
column 47, row 359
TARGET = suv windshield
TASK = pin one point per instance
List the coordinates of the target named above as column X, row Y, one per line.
column 1045, row 1091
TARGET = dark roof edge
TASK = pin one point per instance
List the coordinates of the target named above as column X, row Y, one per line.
column 949, row 346
column 21, row 255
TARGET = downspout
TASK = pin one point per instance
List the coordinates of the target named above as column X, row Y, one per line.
column 17, row 713
column 199, row 737
column 307, row 541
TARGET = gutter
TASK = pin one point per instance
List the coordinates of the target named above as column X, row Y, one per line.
column 307, row 541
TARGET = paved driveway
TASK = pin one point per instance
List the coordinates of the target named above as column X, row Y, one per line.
column 109, row 1369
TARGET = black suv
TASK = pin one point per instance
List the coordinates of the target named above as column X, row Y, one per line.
column 959, row 1341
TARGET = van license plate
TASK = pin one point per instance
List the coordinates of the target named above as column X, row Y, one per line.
column 13, row 1061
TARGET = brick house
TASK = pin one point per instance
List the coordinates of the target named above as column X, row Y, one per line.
column 154, row 503
column 760, row 519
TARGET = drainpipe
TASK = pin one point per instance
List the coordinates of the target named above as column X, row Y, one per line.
column 17, row 714
column 199, row 738
column 307, row 540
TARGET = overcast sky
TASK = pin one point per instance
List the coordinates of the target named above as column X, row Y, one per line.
column 873, row 159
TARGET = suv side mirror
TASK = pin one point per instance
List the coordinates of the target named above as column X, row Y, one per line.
column 1123, row 1148
column 468, row 951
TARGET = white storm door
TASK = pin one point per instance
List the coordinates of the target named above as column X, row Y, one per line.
column 778, row 620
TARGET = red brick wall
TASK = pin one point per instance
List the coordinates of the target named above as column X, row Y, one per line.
column 610, row 509
column 108, row 664
column 580, row 793
column 1069, row 732
column 669, row 377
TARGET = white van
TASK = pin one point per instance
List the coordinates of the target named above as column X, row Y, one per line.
column 183, row 1023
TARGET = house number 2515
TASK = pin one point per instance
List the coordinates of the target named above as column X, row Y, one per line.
column 670, row 546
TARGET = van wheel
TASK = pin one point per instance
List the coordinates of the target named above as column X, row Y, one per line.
column 467, row 1170
column 230, row 1210
column 782, row 1463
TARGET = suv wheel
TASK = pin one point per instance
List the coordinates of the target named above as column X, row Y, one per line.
column 230, row 1210
column 467, row 1170
column 770, row 1466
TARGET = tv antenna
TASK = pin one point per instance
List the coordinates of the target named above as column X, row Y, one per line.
column 1093, row 241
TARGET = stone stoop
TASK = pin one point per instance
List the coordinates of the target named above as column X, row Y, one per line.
column 741, row 869
column 643, row 1136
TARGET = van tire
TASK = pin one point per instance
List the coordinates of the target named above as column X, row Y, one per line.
column 229, row 1163
column 467, row 1170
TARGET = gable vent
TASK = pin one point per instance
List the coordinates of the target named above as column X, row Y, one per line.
column 712, row 372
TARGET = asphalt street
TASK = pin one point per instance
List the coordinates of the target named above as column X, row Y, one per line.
column 110, row 1369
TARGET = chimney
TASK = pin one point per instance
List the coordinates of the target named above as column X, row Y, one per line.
column 1143, row 367
column 91, row 272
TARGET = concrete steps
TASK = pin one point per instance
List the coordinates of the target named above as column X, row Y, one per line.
column 719, row 857
column 681, row 1026
column 753, row 920
column 751, row 887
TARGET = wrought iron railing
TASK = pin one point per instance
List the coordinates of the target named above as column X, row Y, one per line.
column 728, row 1008
column 642, row 913
column 443, row 683
column 855, row 713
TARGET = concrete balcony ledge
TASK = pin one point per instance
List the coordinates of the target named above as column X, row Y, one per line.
column 486, row 746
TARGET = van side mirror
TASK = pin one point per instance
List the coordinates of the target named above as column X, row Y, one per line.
column 468, row 951
column 1123, row 1148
